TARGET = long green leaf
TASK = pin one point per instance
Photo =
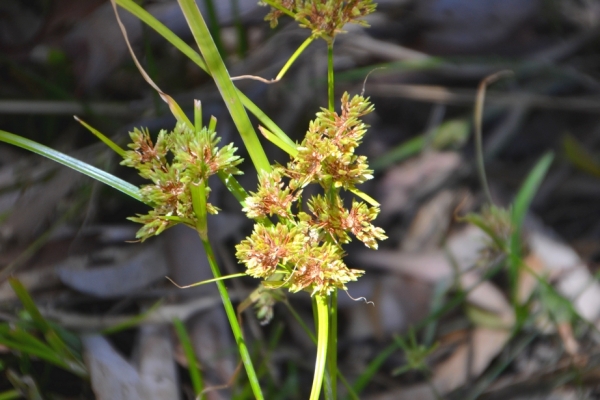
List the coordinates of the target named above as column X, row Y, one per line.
column 35, row 351
column 190, row 356
column 77, row 165
column 29, row 305
column 228, row 91
column 520, row 206
column 54, row 340
column 529, row 189
column 105, row 139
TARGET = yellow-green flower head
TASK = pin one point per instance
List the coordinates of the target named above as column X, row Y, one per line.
column 325, row 18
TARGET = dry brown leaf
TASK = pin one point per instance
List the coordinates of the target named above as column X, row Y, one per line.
column 132, row 271
column 114, row 378
column 405, row 183
column 485, row 346
column 157, row 364
column 111, row 376
column 429, row 227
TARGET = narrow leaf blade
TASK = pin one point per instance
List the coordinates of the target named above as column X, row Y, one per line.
column 73, row 163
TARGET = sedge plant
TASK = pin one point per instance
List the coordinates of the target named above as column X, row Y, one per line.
column 296, row 243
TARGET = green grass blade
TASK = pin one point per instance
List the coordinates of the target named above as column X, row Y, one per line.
column 53, row 339
column 265, row 120
column 47, row 355
column 115, row 147
column 22, row 341
column 519, row 210
column 77, row 165
column 24, row 338
column 162, row 30
column 29, row 305
column 363, row 380
column 228, row 91
column 276, row 140
column 234, row 187
column 213, row 25
column 529, row 189
column 190, row 356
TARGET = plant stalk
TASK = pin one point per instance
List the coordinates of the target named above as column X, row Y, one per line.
column 322, row 306
column 233, row 322
column 199, row 205
column 332, row 368
column 294, row 56
column 330, row 83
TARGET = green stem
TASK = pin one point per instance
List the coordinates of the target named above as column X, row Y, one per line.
column 294, row 56
column 199, row 205
column 332, row 346
column 330, row 85
column 233, row 322
column 322, row 306
column 190, row 355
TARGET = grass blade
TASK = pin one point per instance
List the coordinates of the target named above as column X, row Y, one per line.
column 73, row 163
column 162, row 30
column 190, row 356
column 580, row 156
column 29, row 305
column 520, row 206
column 213, row 25
column 115, row 147
column 529, row 189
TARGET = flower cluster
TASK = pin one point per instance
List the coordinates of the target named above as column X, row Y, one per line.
column 303, row 250
column 325, row 18
column 177, row 160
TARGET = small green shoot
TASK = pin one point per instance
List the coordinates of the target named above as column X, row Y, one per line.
column 53, row 349
column 520, row 207
column 416, row 354
column 73, row 163
column 190, row 356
